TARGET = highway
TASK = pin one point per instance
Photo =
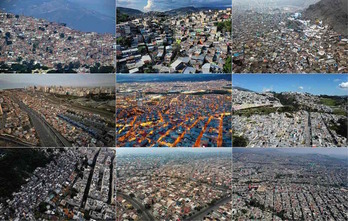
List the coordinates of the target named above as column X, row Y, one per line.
column 47, row 136
column 201, row 214
column 146, row 215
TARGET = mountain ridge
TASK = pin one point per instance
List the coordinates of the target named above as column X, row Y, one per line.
column 181, row 10
column 331, row 12
column 62, row 11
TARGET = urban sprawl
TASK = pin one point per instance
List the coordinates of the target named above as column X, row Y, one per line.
column 32, row 45
column 264, row 121
column 42, row 116
column 273, row 185
column 174, row 114
column 198, row 42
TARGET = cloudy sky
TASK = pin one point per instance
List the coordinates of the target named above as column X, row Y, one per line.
column 329, row 84
column 165, row 5
column 8, row 81
column 122, row 151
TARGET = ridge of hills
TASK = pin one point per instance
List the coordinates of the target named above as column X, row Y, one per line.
column 331, row 12
column 74, row 15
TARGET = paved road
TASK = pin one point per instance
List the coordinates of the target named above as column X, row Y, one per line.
column 201, row 214
column 3, row 120
column 15, row 141
column 48, row 138
column 88, row 185
column 146, row 215
column 308, row 130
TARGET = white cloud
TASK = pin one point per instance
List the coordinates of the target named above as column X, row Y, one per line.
column 300, row 88
column 267, row 89
column 343, row 85
column 149, row 5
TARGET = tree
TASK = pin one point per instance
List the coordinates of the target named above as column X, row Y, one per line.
column 224, row 26
column 239, row 141
column 42, row 207
column 142, row 50
column 228, row 65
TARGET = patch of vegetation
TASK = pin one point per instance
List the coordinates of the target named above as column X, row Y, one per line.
column 328, row 101
column 224, row 26
column 102, row 69
column 333, row 100
column 341, row 127
column 287, row 100
column 257, row 110
column 24, row 67
column 228, row 65
column 122, row 17
column 16, row 166
column 339, row 111
column 239, row 141
column 124, row 41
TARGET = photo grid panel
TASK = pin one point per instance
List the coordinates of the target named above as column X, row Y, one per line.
column 58, row 183
column 173, row 110
column 57, row 110
column 63, row 36
column 289, row 110
column 174, row 184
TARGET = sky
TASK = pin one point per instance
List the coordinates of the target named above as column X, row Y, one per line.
column 324, row 151
column 8, row 81
column 165, row 5
column 123, row 78
column 328, row 84
column 333, row 152
column 121, row 151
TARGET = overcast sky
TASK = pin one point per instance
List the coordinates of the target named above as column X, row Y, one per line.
column 8, row 81
column 121, row 151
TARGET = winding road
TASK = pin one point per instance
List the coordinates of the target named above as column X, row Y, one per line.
column 146, row 215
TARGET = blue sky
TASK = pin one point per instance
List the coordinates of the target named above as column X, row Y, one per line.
column 329, row 84
column 165, row 5
column 8, row 81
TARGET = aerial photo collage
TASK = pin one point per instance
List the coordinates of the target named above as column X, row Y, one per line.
column 174, row 110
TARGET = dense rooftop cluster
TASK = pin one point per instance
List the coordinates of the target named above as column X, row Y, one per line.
column 198, row 42
column 301, row 121
column 65, row 188
column 173, row 114
column 36, row 45
column 34, row 116
column 279, row 42
column 300, row 187
column 15, row 122
column 181, row 186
